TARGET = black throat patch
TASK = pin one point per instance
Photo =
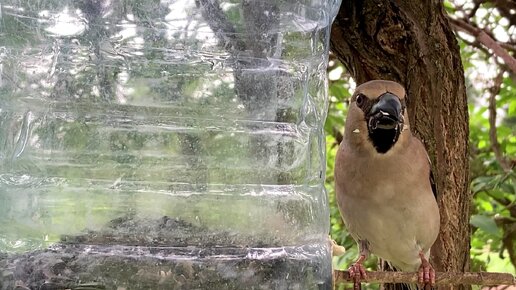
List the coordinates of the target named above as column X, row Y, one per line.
column 383, row 140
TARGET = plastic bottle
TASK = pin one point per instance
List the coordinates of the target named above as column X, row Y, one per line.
column 164, row 144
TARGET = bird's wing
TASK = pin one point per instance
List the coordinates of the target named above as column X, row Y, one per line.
column 432, row 178
column 432, row 183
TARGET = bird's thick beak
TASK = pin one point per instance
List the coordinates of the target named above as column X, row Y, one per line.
column 386, row 113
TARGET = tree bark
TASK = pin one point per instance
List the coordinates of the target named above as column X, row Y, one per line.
column 411, row 42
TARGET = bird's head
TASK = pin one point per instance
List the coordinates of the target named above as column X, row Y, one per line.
column 377, row 114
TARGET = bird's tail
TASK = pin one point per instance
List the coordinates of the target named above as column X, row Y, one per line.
column 398, row 286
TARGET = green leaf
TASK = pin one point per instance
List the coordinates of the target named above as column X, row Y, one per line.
column 449, row 7
column 484, row 223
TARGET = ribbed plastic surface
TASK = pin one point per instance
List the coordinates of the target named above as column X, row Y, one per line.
column 164, row 144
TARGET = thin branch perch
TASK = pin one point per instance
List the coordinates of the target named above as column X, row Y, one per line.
column 499, row 49
column 442, row 278
column 493, row 135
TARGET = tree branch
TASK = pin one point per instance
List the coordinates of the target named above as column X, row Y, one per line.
column 493, row 136
column 442, row 278
column 505, row 7
column 486, row 51
column 475, row 8
column 499, row 49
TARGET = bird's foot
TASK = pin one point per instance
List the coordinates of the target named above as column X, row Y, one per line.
column 357, row 272
column 426, row 273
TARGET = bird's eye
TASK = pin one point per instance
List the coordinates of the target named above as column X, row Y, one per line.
column 360, row 100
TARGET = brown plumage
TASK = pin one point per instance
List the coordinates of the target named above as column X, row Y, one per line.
column 382, row 180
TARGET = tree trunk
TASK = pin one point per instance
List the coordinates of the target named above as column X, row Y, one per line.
column 411, row 42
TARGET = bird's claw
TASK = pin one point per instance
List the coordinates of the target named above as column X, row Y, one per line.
column 426, row 273
column 357, row 272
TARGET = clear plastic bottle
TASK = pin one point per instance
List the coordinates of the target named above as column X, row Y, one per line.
column 173, row 144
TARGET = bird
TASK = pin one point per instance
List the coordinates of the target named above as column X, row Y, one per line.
column 384, row 183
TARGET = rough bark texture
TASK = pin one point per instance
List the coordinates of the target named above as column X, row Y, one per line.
column 411, row 42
